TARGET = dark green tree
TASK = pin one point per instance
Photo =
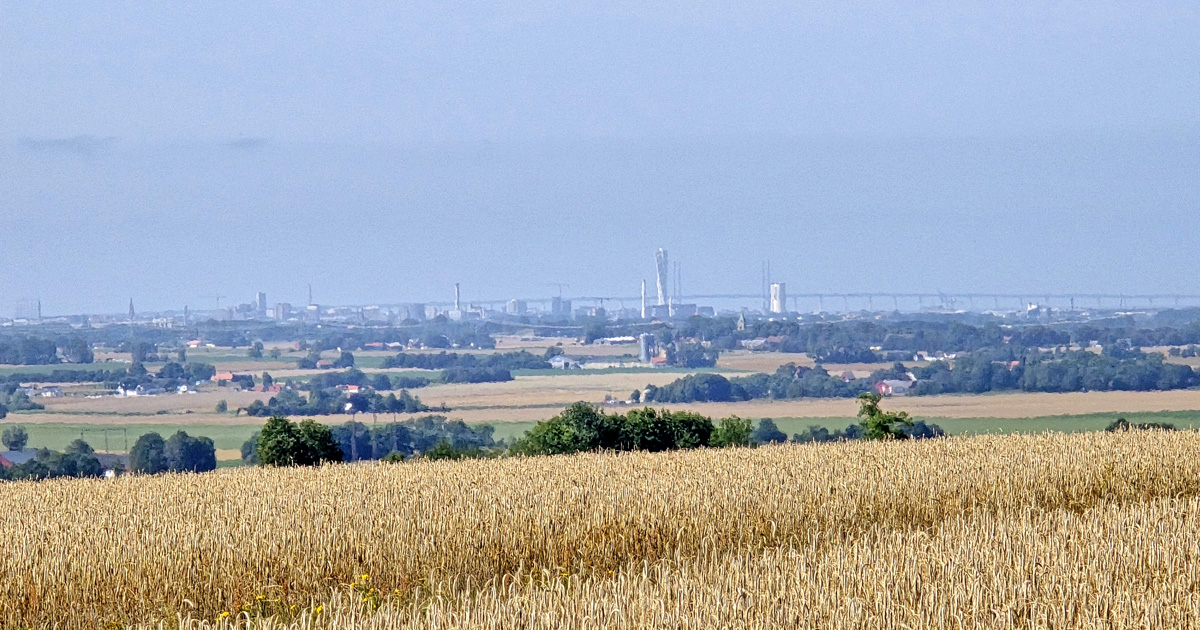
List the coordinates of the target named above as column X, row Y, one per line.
column 250, row 450
column 78, row 351
column 222, row 406
column 278, row 442
column 345, row 360
column 184, row 453
column 255, row 351
column 768, row 432
column 147, row 455
column 15, row 438
column 318, row 444
column 79, row 447
column 283, row 443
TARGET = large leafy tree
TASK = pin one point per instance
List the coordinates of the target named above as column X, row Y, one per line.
column 309, row 443
column 878, row 424
column 190, row 454
column 147, row 455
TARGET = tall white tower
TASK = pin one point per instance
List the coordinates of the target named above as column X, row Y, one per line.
column 643, row 299
column 778, row 297
column 660, row 260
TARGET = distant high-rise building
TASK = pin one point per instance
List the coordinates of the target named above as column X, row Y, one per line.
column 283, row 312
column 560, row 307
column 261, row 303
column 778, row 297
column 660, row 261
column 515, row 307
column 457, row 298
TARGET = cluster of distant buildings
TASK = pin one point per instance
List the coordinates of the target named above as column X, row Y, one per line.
column 664, row 302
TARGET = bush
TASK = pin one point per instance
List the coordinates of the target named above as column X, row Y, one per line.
column 445, row 450
column 250, row 450
column 767, row 433
column 476, row 375
column 731, row 431
column 15, row 438
column 1121, row 424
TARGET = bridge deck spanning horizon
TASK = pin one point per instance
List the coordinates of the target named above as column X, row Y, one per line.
column 952, row 300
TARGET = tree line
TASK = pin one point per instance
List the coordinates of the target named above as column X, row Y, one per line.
column 282, row 442
column 333, row 401
column 979, row 372
column 519, row 360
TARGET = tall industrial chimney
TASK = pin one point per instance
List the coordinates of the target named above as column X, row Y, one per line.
column 457, row 298
column 660, row 260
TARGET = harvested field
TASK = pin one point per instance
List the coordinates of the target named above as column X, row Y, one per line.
column 201, row 402
column 768, row 362
column 990, row 532
column 554, row 388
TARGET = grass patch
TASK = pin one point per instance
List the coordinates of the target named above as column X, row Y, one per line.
column 57, row 436
column 72, row 367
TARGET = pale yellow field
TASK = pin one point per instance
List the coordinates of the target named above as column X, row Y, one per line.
column 770, row 361
column 556, row 388
column 1096, row 530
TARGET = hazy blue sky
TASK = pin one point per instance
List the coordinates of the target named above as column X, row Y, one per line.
column 383, row 151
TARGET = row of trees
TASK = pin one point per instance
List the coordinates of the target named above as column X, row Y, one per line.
column 476, row 375
column 181, row 452
column 583, row 427
column 150, row 454
column 28, row 351
column 324, row 402
column 975, row 373
column 789, row 381
column 378, row 382
column 521, row 360
column 1072, row 371
column 77, row 460
column 355, row 441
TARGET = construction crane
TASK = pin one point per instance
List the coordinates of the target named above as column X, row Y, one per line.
column 559, row 285
column 599, row 299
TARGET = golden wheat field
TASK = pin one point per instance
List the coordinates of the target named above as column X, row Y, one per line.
column 1047, row 531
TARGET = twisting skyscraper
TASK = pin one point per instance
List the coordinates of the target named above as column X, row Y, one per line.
column 660, row 259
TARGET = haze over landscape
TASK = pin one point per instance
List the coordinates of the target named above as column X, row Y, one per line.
column 599, row 315
column 381, row 154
